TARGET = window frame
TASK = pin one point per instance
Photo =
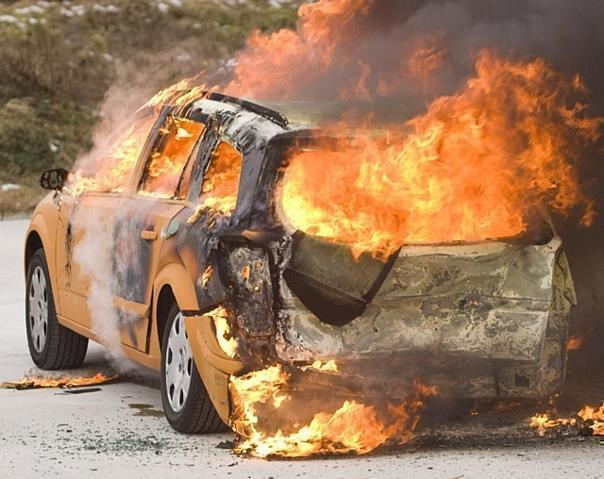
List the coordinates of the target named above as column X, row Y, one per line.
column 152, row 141
column 203, row 165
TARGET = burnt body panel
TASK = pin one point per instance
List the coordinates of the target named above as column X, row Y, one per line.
column 506, row 304
column 500, row 309
column 200, row 234
column 131, row 257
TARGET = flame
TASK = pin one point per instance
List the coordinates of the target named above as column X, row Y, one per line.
column 225, row 339
column 245, row 272
column 163, row 172
column 37, row 381
column 288, row 62
column 322, row 366
column 595, row 416
column 352, row 427
column 477, row 165
column 574, row 343
column 179, row 94
column 206, row 276
column 113, row 170
column 543, row 421
column 592, row 417
column 221, row 183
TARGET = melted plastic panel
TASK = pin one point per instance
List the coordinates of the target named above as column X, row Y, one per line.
column 497, row 312
column 330, row 282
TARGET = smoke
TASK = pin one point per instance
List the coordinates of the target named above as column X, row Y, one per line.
column 101, row 255
column 413, row 50
column 395, row 57
column 93, row 256
column 107, row 255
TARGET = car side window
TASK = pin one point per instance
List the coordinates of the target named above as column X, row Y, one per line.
column 164, row 167
column 220, row 185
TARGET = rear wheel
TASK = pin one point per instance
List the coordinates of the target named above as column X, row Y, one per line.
column 51, row 345
column 185, row 399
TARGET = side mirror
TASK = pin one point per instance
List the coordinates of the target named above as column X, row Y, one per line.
column 53, row 179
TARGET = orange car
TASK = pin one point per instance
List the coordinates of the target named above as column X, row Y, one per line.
column 172, row 249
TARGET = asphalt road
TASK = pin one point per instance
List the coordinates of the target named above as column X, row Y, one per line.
column 46, row 433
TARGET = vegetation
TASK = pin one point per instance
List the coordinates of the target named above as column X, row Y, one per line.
column 58, row 60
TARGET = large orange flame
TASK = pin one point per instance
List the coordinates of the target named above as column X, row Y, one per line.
column 283, row 65
column 477, row 165
column 353, row 427
column 164, row 170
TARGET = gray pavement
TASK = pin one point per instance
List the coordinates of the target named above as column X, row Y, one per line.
column 45, row 433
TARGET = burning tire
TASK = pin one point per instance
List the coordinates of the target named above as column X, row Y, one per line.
column 51, row 345
column 187, row 405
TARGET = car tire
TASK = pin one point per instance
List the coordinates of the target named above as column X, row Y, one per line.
column 186, row 402
column 51, row 345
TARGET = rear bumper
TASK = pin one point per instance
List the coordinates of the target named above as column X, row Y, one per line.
column 477, row 321
column 485, row 328
column 389, row 376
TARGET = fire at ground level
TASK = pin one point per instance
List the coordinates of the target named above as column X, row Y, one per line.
column 109, row 430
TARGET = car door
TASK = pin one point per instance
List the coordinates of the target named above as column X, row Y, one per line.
column 86, row 211
column 85, row 275
column 158, row 196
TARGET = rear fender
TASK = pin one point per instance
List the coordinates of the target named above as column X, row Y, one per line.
column 179, row 280
column 213, row 366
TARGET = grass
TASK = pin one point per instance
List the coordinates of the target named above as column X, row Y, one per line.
column 20, row 201
column 58, row 61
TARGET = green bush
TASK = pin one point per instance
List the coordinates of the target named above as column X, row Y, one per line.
column 58, row 60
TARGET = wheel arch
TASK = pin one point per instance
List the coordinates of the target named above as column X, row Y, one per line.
column 43, row 221
column 32, row 244
column 173, row 284
column 38, row 236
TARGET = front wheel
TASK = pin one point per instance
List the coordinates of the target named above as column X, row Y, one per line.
column 51, row 346
column 185, row 399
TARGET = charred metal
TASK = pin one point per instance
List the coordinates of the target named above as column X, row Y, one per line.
column 498, row 311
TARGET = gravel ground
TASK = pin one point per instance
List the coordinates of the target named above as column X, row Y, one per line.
column 120, row 430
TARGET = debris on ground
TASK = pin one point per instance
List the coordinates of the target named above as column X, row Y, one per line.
column 34, row 381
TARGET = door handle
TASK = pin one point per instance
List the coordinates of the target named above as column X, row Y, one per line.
column 148, row 235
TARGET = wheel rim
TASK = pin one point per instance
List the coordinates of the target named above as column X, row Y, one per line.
column 38, row 309
column 179, row 364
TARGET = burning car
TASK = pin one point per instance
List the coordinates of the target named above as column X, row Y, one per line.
column 188, row 237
